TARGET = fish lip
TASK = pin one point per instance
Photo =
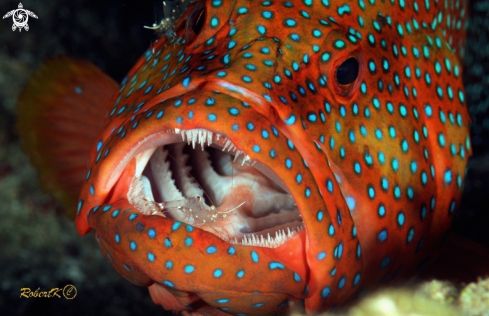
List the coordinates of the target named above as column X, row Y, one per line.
column 278, row 234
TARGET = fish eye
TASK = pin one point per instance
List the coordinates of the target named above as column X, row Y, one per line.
column 347, row 72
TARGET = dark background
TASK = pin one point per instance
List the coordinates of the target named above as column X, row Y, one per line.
column 39, row 248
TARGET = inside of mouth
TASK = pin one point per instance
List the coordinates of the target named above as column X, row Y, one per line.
column 218, row 189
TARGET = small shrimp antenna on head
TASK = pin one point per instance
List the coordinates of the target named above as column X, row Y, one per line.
column 168, row 16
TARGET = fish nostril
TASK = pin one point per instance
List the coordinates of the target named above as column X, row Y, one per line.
column 347, row 72
column 197, row 19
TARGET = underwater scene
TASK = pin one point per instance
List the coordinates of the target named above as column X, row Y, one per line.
column 305, row 157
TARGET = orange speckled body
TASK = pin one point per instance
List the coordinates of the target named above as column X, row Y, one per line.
column 374, row 161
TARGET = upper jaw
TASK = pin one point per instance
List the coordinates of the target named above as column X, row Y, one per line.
column 203, row 179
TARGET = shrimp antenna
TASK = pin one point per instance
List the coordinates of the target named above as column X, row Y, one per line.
column 240, row 204
column 249, row 190
column 155, row 10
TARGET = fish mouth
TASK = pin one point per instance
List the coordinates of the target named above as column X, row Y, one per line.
column 204, row 180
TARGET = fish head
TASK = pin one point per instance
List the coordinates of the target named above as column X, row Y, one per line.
column 268, row 152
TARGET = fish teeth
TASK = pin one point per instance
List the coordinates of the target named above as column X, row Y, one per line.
column 202, row 137
column 194, row 136
column 189, row 137
column 245, row 159
column 281, row 236
column 197, row 135
column 229, row 146
column 226, row 144
column 209, row 138
column 238, row 152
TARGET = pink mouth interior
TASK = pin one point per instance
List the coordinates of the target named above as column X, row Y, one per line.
column 214, row 186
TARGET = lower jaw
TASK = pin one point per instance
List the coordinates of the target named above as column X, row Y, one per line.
column 206, row 182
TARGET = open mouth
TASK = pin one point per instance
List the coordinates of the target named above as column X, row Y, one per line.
column 205, row 181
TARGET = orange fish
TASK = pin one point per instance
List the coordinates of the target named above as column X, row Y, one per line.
column 264, row 152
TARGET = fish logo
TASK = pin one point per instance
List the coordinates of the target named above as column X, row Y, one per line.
column 20, row 17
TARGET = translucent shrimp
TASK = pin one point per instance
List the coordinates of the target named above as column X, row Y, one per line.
column 196, row 211
column 172, row 11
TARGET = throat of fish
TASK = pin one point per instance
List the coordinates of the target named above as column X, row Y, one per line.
column 206, row 182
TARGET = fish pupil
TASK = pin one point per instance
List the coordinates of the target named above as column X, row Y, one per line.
column 347, row 72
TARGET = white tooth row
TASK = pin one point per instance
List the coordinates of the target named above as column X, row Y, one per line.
column 198, row 135
column 202, row 136
column 230, row 147
column 270, row 242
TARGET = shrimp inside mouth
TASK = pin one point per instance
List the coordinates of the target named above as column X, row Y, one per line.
column 210, row 184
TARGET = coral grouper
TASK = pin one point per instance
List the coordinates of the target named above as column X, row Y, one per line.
column 262, row 152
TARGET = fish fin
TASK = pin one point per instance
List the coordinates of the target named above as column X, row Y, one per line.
column 60, row 112
column 161, row 296
column 460, row 260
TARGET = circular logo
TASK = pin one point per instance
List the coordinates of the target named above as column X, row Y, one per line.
column 20, row 18
column 69, row 292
